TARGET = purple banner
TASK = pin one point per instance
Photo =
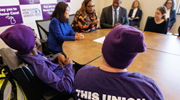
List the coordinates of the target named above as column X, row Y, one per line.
column 22, row 2
column 47, row 10
column 63, row 0
column 10, row 15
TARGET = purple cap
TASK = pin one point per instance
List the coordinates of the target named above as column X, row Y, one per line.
column 121, row 46
column 19, row 37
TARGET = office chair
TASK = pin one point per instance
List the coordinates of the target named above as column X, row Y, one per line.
column 71, row 18
column 32, row 86
column 43, row 29
column 167, row 20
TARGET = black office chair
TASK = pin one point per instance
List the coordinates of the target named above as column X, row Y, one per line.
column 32, row 86
column 43, row 29
column 167, row 20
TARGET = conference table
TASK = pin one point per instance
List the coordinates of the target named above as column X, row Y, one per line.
column 160, row 61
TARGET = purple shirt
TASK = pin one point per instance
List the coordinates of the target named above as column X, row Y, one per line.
column 61, row 79
column 92, row 83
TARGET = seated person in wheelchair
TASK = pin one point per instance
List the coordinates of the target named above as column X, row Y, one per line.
column 57, row 73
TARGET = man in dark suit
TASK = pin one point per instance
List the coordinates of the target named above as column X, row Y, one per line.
column 114, row 15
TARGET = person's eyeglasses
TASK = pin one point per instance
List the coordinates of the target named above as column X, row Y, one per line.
column 169, row 3
column 91, row 6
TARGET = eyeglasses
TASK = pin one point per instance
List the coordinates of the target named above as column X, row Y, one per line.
column 169, row 3
column 91, row 6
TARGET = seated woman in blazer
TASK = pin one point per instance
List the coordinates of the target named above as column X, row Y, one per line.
column 135, row 14
column 158, row 23
column 60, row 30
column 171, row 12
column 85, row 19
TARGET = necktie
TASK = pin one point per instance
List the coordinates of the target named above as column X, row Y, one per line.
column 115, row 16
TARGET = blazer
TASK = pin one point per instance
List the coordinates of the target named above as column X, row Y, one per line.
column 58, row 33
column 172, row 18
column 106, row 17
column 138, row 13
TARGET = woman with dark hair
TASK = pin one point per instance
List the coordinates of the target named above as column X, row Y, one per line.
column 135, row 14
column 158, row 23
column 60, row 29
column 85, row 19
column 171, row 12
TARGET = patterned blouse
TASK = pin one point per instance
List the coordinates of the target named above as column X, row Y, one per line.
column 84, row 23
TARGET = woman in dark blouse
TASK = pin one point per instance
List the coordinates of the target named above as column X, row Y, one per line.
column 158, row 23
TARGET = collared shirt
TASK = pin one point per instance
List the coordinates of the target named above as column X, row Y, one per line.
column 168, row 13
column 113, row 12
column 134, row 12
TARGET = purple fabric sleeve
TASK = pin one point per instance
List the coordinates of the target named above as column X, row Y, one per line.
column 62, row 84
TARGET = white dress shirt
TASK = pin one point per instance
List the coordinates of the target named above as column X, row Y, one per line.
column 168, row 13
column 113, row 12
column 134, row 12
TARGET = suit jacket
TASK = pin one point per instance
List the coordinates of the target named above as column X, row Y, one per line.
column 172, row 18
column 138, row 13
column 107, row 18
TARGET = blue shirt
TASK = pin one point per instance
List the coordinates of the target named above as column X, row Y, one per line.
column 58, row 33
column 92, row 83
column 61, row 79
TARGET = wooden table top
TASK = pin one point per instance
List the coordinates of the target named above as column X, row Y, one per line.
column 162, row 42
column 91, row 49
column 77, row 49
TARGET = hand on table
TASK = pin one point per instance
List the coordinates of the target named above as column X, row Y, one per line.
column 79, row 36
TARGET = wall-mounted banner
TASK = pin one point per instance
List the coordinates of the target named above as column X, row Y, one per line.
column 10, row 15
column 10, row 2
column 22, row 2
column 30, row 13
column 63, row 0
column 47, row 10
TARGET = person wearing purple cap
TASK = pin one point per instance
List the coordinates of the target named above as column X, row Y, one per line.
column 111, row 80
column 22, row 39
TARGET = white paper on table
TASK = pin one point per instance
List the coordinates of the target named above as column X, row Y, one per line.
column 100, row 40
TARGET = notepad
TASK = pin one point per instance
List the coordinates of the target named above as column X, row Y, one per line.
column 100, row 40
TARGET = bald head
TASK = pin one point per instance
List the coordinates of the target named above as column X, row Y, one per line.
column 116, row 3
